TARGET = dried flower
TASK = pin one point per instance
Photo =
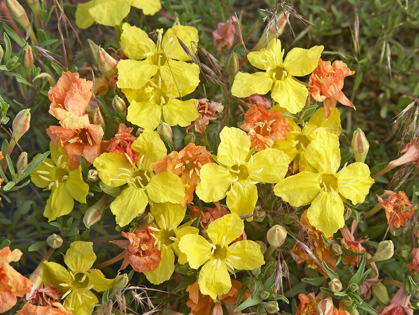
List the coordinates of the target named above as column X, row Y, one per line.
column 223, row 36
column 122, row 141
column 207, row 111
column 399, row 305
column 414, row 265
column 395, row 206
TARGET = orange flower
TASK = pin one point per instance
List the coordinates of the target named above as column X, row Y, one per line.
column 326, row 83
column 398, row 305
column 209, row 215
column 223, row 36
column 85, row 141
column 394, row 206
column 187, row 164
column 264, row 127
column 257, row 99
column 207, row 111
column 351, row 245
column 139, row 252
column 414, row 265
column 69, row 99
column 308, row 305
column 122, row 141
column 12, row 283
column 340, row 311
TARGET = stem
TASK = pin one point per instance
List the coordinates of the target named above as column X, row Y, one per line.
column 111, row 261
column 394, row 282
column 270, row 251
column 118, row 33
column 373, row 211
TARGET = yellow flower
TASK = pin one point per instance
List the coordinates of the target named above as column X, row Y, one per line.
column 238, row 171
column 167, row 232
column 325, row 188
column 77, row 282
column 167, row 59
column 279, row 77
column 299, row 139
column 142, row 185
column 111, row 12
column 65, row 185
column 217, row 257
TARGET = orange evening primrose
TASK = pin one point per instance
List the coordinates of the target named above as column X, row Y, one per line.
column 238, row 170
column 351, row 245
column 264, row 127
column 122, row 142
column 207, row 111
column 187, row 164
column 397, row 208
column 217, row 257
column 414, row 265
column 141, row 185
column 308, row 305
column 326, row 83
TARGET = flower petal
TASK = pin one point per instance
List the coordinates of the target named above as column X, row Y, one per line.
column 228, row 227
column 269, row 57
column 323, row 152
column 145, row 114
column 214, row 279
column 189, row 37
column 80, row 257
column 55, row 274
column 81, row 302
column 331, row 124
column 246, row 84
column 215, row 180
column 75, row 185
column 300, row 62
column 234, row 146
column 182, row 113
column 135, row 42
column 168, row 215
column 38, row 177
column 130, row 203
column 249, row 253
column 242, row 198
column 149, row 7
column 180, row 232
column 269, row 166
column 354, row 182
column 99, row 282
column 166, row 187
column 59, row 203
column 196, row 248
column 110, row 12
column 291, row 94
column 180, row 77
column 83, row 17
column 111, row 167
column 149, row 147
column 165, row 269
column 134, row 74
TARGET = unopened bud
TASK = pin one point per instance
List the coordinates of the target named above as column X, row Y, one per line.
column 379, row 291
column 233, row 65
column 107, row 64
column 94, row 213
column 93, row 49
column 384, row 251
column 98, row 119
column 346, row 301
column 146, row 219
column 1, row 53
column 18, row 13
column 119, row 106
column 337, row 249
column 325, row 307
column 256, row 272
column 22, row 163
column 360, row 145
column 264, row 41
column 21, row 123
column 189, row 138
column 11, row 63
column 353, row 287
column 276, row 235
column 165, row 132
column 93, row 176
column 120, row 282
column 335, row 285
column 271, row 307
column 250, row 282
column 260, row 215
column 264, row 295
column 27, row 57
column 54, row 241
column 111, row 191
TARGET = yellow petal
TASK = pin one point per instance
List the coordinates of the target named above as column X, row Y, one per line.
column 234, row 146
column 130, row 203
column 136, row 95
column 300, row 189
column 182, row 77
column 149, row 7
column 164, row 270
column 242, row 198
column 182, row 113
column 80, row 257
column 187, row 34
column 167, row 215
column 215, row 180
column 300, row 62
column 166, row 187
column 59, row 203
column 290, row 94
column 134, row 74
column 323, row 152
column 214, row 279
column 58, row 155
column 55, row 274
column 225, row 229
column 246, row 84
column 331, row 124
column 181, row 232
column 99, row 282
column 249, row 254
column 110, row 12
column 326, row 213
column 135, row 42
column 149, row 147
column 83, row 17
column 269, row 166
column 81, row 302
column 146, row 114
column 110, row 166
column 354, row 182
column 40, row 177
column 269, row 57
column 196, row 248
column 75, row 185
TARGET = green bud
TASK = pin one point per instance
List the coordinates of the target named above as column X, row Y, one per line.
column 54, row 241
column 325, row 307
column 335, row 285
column 263, row 246
column 260, row 215
column 21, row 123
column 94, row 213
column 119, row 106
column 189, row 138
column 271, row 307
column 256, row 272
column 111, row 191
column 276, row 235
column 120, row 282
column 264, row 295
column 379, row 291
column 233, row 65
column 18, row 13
column 360, row 145
column 353, row 287
column 384, row 251
column 165, row 132
column 1, row 53
column 98, row 119
column 27, row 57
column 93, row 176
column 337, row 249
column 22, row 163
column 107, row 64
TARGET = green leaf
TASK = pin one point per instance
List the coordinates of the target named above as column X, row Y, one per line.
column 251, row 301
column 314, row 281
column 57, row 68
column 13, row 35
column 356, row 278
column 368, row 308
column 3, row 111
column 4, row 244
column 9, row 186
column 32, row 166
column 37, row 246
column 8, row 48
column 308, row 111
column 332, row 275
column 10, row 167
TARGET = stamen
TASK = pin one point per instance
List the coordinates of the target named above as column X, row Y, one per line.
column 46, row 178
column 43, row 172
column 223, row 240
column 163, row 222
column 218, row 264
column 233, row 257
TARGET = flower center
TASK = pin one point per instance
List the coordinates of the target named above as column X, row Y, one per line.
column 61, row 175
column 278, row 73
column 158, row 59
column 302, row 143
column 80, row 281
column 220, row 252
column 239, row 172
column 167, row 237
column 141, row 178
column 329, row 182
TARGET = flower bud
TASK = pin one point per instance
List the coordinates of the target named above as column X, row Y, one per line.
column 271, row 307
column 335, row 285
column 276, row 235
column 337, row 249
column 119, row 105
column 250, row 282
column 233, row 65
column 18, row 13
column 146, row 219
column 11, row 63
column 107, row 64
column 1, row 53
column 165, row 132
column 93, row 176
column 325, row 307
column 189, row 138
column 93, row 49
column 120, row 282
column 54, row 241
column 22, row 163
column 260, row 215
column 379, row 291
column 21, row 123
column 353, row 287
column 111, row 191
column 98, row 119
column 264, row 295
column 94, row 213
column 27, row 57
column 384, row 251
column 256, row 272
column 360, row 145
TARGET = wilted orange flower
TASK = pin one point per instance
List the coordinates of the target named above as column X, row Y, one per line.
column 223, row 36
column 139, row 252
column 209, row 215
column 320, row 250
column 85, row 141
column 12, row 283
column 257, row 99
column 398, row 305
column 414, row 265
column 308, row 305
column 122, row 141
column 69, row 99
column 326, row 83
column 394, row 206
column 207, row 111
column 340, row 311
column 201, row 304
column 351, row 245
column 187, row 164
column 264, row 127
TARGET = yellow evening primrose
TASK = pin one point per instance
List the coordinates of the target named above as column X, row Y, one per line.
column 76, row 282
column 166, row 59
column 217, row 257
column 238, row 171
column 299, row 139
column 280, row 74
column 157, row 102
column 66, row 185
column 167, row 232
column 326, row 189
column 111, row 12
column 142, row 186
